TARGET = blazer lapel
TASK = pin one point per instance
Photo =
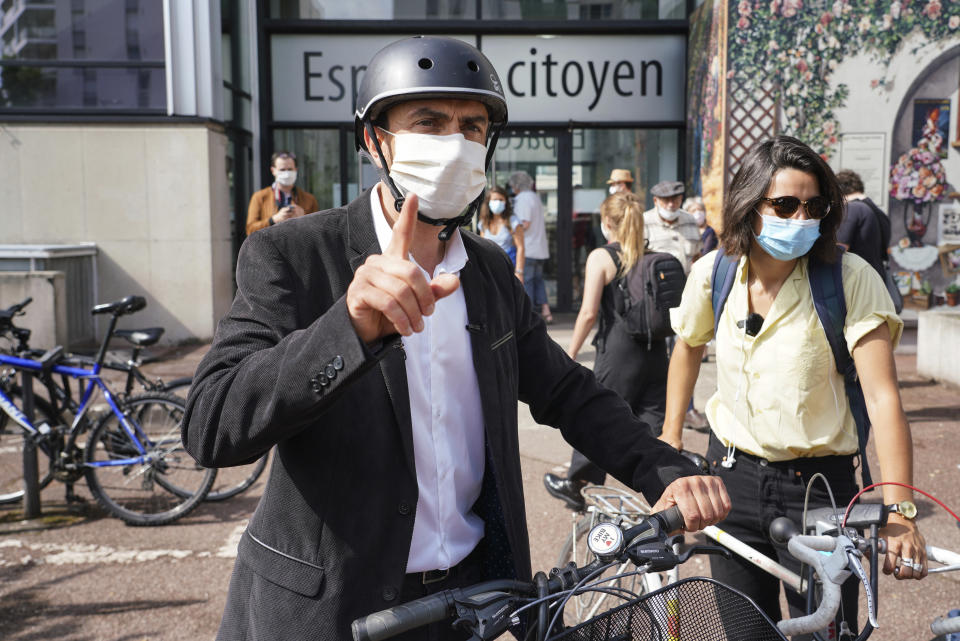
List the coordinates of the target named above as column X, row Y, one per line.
column 362, row 242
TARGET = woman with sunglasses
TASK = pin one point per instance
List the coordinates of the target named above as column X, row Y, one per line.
column 780, row 413
column 497, row 223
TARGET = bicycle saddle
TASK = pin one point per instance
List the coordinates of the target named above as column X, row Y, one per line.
column 140, row 337
column 121, row 307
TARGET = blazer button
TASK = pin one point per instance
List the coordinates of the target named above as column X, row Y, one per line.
column 323, row 380
column 330, row 372
column 389, row 593
column 403, row 508
column 338, row 362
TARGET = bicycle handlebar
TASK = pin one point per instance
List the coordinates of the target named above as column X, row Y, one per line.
column 943, row 627
column 833, row 569
column 436, row 607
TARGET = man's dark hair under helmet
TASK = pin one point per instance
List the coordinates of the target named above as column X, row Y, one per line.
column 428, row 67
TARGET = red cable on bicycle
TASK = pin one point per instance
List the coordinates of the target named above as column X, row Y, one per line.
column 870, row 487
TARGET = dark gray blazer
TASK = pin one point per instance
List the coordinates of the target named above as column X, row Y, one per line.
column 330, row 537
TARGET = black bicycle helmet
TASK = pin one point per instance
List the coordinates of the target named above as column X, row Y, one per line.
column 428, row 67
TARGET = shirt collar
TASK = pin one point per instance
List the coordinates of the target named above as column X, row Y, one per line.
column 455, row 257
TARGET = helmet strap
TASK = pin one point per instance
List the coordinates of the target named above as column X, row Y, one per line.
column 398, row 196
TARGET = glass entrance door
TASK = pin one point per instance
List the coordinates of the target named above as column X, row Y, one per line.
column 543, row 153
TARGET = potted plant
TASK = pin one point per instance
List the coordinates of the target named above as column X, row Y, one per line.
column 952, row 294
column 923, row 296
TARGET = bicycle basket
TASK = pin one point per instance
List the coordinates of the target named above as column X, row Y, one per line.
column 694, row 609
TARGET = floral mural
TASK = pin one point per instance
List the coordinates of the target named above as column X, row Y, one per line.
column 800, row 45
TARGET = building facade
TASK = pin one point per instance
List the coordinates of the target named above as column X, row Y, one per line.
column 144, row 126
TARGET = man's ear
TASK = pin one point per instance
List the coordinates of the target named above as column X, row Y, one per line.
column 372, row 148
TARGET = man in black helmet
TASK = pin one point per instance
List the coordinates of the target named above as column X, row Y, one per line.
column 358, row 345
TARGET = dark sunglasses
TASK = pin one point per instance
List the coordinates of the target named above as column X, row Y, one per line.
column 785, row 206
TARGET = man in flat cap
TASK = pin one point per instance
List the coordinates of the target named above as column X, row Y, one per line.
column 620, row 180
column 670, row 229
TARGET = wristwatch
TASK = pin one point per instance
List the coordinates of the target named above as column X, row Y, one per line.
column 906, row 509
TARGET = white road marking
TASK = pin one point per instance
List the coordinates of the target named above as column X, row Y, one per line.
column 229, row 549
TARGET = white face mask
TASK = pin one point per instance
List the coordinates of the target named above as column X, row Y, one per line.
column 613, row 189
column 286, row 177
column 700, row 218
column 445, row 172
column 497, row 206
column 668, row 215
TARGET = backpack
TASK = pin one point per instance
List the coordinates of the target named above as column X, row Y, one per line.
column 826, row 285
column 643, row 296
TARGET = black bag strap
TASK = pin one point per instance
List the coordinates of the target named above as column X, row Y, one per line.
column 826, row 285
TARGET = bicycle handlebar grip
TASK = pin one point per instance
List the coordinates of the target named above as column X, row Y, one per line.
column 943, row 627
column 671, row 519
column 400, row 618
column 782, row 529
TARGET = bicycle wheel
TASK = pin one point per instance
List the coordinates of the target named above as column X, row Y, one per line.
column 11, row 448
column 164, row 485
column 235, row 480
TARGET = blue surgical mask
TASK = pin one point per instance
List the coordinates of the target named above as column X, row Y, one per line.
column 497, row 206
column 787, row 238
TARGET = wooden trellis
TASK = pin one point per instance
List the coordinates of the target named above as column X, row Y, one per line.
column 752, row 116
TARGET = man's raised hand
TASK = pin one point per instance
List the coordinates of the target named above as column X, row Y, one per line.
column 389, row 293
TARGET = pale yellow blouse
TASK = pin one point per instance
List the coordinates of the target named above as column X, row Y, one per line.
column 779, row 395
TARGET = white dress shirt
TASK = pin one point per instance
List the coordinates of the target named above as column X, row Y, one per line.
column 448, row 439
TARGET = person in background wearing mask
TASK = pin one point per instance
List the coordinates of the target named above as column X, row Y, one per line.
column 529, row 210
column 670, row 229
column 620, row 180
column 708, row 238
column 282, row 200
column 633, row 370
column 497, row 223
column 357, row 346
column 780, row 413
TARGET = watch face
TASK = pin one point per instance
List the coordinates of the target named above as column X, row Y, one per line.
column 907, row 509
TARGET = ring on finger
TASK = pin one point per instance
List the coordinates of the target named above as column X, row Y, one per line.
column 917, row 567
column 906, row 560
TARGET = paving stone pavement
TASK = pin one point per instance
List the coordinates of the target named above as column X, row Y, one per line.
column 76, row 574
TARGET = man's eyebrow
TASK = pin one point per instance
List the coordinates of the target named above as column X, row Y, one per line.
column 429, row 113
column 475, row 120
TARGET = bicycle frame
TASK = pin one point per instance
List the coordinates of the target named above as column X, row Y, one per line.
column 133, row 430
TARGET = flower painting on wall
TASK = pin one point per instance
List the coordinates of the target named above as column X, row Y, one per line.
column 931, row 125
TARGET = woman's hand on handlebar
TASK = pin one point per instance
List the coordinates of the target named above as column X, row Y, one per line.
column 703, row 500
column 905, row 547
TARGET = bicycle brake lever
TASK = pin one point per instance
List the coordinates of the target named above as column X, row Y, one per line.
column 704, row 549
column 853, row 562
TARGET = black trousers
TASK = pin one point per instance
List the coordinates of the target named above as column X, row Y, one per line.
column 760, row 491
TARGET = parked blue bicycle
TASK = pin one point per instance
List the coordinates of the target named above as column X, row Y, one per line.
column 132, row 458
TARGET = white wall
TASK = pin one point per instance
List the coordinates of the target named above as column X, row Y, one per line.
column 875, row 110
column 152, row 197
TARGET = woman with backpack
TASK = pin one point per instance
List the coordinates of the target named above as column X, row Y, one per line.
column 781, row 412
column 497, row 223
column 636, row 370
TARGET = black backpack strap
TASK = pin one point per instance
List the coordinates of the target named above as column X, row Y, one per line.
column 826, row 285
column 721, row 282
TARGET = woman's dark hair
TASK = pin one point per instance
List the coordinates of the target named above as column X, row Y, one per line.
column 486, row 216
column 750, row 185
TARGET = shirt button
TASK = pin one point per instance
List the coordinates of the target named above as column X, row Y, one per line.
column 338, row 362
column 403, row 508
column 330, row 372
column 389, row 593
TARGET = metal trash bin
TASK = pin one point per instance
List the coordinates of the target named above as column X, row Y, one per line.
column 79, row 263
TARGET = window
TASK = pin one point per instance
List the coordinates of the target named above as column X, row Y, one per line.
column 374, row 9
column 99, row 55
